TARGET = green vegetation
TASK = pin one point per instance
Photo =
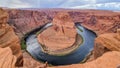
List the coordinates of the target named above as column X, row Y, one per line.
column 37, row 33
column 23, row 45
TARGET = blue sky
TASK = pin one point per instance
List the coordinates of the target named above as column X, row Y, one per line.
column 72, row 4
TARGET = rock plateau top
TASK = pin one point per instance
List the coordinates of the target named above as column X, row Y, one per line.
column 61, row 35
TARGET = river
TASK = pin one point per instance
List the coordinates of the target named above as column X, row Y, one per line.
column 34, row 48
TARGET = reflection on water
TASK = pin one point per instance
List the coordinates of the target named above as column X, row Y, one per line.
column 34, row 48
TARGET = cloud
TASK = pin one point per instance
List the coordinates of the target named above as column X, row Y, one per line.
column 70, row 3
column 75, row 4
column 14, row 4
column 107, row 6
column 19, row 4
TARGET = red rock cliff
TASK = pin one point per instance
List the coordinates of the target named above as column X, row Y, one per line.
column 99, row 21
column 8, row 38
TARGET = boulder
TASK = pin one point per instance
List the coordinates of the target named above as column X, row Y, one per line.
column 61, row 35
column 8, row 38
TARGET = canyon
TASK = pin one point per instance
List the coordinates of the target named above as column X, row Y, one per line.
column 105, row 24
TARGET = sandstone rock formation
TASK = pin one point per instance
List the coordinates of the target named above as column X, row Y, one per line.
column 29, row 62
column 7, row 59
column 107, row 42
column 110, row 40
column 100, row 21
column 107, row 60
column 59, row 36
column 8, row 37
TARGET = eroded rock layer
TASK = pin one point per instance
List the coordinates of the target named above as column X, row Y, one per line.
column 99, row 21
column 61, row 35
column 7, row 59
column 107, row 42
column 8, row 38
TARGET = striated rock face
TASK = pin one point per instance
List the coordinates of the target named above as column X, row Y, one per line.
column 110, row 40
column 99, row 21
column 29, row 62
column 7, row 59
column 8, row 37
column 23, row 21
column 61, row 35
column 107, row 42
column 107, row 60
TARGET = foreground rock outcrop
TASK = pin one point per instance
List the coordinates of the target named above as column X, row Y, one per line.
column 7, row 59
column 8, row 38
column 107, row 42
column 29, row 62
column 61, row 35
column 107, row 60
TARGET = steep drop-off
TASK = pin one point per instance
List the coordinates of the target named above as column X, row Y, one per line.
column 107, row 42
column 8, row 38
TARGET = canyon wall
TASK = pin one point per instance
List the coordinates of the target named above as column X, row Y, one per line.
column 100, row 21
column 8, row 38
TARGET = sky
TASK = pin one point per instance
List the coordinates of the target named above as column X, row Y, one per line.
column 70, row 4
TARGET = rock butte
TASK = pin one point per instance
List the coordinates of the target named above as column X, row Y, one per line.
column 8, row 38
column 62, row 34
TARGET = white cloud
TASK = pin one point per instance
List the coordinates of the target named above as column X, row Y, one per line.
column 112, row 5
column 70, row 3
column 77, row 4
column 19, row 4
column 14, row 4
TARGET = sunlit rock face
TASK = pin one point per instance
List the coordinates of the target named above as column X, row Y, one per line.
column 99, row 21
column 7, row 59
column 8, row 38
column 110, row 40
column 107, row 42
column 60, row 35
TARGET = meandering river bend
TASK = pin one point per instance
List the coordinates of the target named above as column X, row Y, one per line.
column 34, row 48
